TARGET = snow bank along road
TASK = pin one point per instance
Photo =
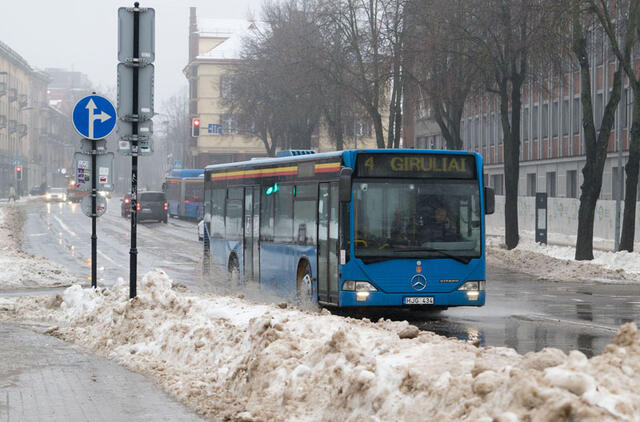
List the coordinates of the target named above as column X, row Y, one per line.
column 230, row 358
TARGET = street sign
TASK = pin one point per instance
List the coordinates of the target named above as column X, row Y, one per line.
column 125, row 129
column 145, row 147
column 83, row 171
column 145, row 92
column 94, row 117
column 101, row 147
column 17, row 162
column 146, row 34
column 101, row 205
column 177, row 164
column 214, row 128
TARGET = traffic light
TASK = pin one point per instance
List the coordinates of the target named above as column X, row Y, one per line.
column 195, row 127
column 18, row 172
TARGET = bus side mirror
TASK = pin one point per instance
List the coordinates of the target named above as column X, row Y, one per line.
column 489, row 200
column 345, row 184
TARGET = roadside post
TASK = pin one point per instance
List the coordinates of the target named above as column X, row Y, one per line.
column 94, row 118
column 136, row 53
column 541, row 217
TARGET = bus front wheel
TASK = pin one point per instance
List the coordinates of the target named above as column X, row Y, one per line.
column 305, row 282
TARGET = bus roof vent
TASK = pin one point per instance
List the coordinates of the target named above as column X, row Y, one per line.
column 294, row 152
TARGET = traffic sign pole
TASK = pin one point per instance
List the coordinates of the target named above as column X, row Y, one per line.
column 94, row 192
column 133, row 253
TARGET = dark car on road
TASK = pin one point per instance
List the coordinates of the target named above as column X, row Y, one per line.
column 152, row 206
column 125, row 205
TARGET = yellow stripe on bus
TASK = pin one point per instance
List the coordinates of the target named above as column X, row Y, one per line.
column 256, row 173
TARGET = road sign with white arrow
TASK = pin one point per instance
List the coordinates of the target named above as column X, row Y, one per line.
column 94, row 117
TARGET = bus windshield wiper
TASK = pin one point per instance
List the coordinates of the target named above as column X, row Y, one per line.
column 464, row 259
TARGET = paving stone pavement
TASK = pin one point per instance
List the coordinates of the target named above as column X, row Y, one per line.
column 43, row 378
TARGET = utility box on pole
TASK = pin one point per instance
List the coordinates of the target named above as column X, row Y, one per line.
column 541, row 217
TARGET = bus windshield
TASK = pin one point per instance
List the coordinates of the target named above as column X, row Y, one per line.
column 427, row 218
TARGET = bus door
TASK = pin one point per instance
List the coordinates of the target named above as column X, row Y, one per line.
column 251, row 230
column 328, row 243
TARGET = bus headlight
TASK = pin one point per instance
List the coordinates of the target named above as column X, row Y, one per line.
column 472, row 289
column 362, row 289
column 358, row 286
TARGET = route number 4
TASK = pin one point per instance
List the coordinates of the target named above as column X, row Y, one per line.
column 369, row 163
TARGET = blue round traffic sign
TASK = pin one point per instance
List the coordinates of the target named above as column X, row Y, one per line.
column 94, row 117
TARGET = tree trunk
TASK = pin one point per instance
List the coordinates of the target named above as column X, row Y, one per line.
column 511, row 144
column 377, row 125
column 596, row 150
column 631, row 168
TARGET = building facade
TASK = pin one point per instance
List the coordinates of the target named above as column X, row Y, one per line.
column 552, row 140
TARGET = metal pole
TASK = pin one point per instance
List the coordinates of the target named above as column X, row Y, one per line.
column 355, row 133
column 94, row 236
column 133, row 253
column 620, row 172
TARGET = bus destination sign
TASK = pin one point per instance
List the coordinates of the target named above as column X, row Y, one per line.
column 444, row 166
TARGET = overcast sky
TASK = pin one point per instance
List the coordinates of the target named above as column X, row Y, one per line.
column 82, row 35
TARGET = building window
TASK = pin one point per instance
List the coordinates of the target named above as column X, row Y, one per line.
column 225, row 86
column 545, row 120
column 554, row 119
column 623, row 107
column 229, row 124
column 551, row 184
column 531, row 184
column 615, row 183
column 525, row 124
column 598, row 110
column 534, row 122
column 496, row 183
column 577, row 116
column 565, row 117
column 572, row 184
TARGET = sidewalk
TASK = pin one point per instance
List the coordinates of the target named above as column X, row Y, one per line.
column 43, row 378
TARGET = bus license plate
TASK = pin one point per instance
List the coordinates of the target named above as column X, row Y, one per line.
column 424, row 300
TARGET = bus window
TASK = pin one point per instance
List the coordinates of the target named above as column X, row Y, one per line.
column 217, row 213
column 304, row 214
column 193, row 192
column 266, row 216
column 173, row 190
column 283, row 214
column 233, row 215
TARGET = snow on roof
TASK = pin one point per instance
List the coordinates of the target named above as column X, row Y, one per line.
column 234, row 30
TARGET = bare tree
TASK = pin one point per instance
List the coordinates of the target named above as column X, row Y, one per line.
column 275, row 91
column 441, row 62
column 595, row 142
column 626, row 22
column 509, row 37
column 370, row 34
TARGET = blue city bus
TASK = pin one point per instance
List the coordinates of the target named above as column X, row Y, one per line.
column 358, row 228
column 185, row 193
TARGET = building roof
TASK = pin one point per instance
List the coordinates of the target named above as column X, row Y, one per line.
column 234, row 30
column 8, row 52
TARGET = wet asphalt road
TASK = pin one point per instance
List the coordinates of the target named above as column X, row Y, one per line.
column 521, row 312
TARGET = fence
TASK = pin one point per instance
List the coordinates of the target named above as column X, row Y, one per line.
column 562, row 218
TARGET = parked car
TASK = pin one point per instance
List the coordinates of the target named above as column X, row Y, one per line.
column 125, row 205
column 36, row 190
column 56, row 194
column 152, row 206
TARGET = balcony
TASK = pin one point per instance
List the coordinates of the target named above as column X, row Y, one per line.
column 13, row 126
column 3, row 121
column 13, row 94
column 22, row 100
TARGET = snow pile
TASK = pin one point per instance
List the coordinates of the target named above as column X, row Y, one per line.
column 557, row 262
column 237, row 360
column 19, row 269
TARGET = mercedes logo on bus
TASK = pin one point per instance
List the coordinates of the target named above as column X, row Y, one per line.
column 418, row 282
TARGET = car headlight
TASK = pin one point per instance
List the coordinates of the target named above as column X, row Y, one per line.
column 102, row 193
